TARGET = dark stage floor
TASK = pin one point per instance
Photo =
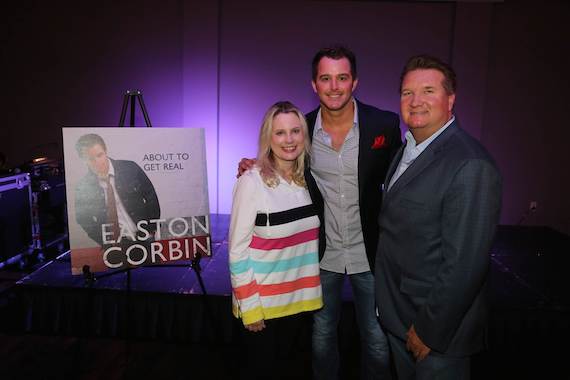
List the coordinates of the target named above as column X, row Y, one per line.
column 55, row 326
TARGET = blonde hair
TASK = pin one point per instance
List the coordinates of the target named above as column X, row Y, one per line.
column 265, row 157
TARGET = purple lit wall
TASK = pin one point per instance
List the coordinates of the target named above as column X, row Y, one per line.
column 266, row 57
column 219, row 65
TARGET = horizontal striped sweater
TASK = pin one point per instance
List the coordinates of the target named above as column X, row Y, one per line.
column 273, row 250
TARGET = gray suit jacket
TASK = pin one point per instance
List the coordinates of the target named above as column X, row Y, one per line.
column 437, row 224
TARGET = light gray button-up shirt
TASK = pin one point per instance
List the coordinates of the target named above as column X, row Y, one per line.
column 412, row 151
column 336, row 174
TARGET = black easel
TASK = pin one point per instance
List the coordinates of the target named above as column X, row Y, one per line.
column 133, row 96
column 89, row 277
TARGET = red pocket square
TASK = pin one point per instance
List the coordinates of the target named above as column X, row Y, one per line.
column 379, row 142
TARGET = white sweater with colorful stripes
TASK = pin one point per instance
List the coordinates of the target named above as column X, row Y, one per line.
column 273, row 250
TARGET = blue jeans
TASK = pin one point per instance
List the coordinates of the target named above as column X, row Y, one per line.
column 375, row 361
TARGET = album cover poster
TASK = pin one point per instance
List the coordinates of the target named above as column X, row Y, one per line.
column 135, row 196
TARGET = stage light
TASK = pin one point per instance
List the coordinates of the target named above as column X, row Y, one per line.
column 39, row 160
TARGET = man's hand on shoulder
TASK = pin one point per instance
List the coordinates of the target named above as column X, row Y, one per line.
column 244, row 165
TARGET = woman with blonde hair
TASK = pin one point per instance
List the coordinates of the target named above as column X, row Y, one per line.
column 273, row 246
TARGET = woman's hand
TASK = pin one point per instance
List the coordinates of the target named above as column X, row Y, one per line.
column 256, row 326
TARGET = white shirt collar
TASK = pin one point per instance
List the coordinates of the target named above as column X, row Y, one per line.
column 413, row 150
column 319, row 120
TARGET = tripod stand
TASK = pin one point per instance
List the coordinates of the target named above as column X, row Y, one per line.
column 133, row 96
column 130, row 297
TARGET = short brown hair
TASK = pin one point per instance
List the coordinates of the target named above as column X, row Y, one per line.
column 334, row 52
column 425, row 62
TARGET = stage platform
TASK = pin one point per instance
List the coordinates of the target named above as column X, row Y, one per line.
column 530, row 303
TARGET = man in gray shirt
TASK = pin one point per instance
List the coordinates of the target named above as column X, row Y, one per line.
column 352, row 145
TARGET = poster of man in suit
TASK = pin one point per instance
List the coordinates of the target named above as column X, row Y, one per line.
column 135, row 196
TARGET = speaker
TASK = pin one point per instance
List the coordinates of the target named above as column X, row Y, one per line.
column 15, row 217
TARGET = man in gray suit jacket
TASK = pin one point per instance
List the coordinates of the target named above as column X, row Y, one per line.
column 440, row 208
